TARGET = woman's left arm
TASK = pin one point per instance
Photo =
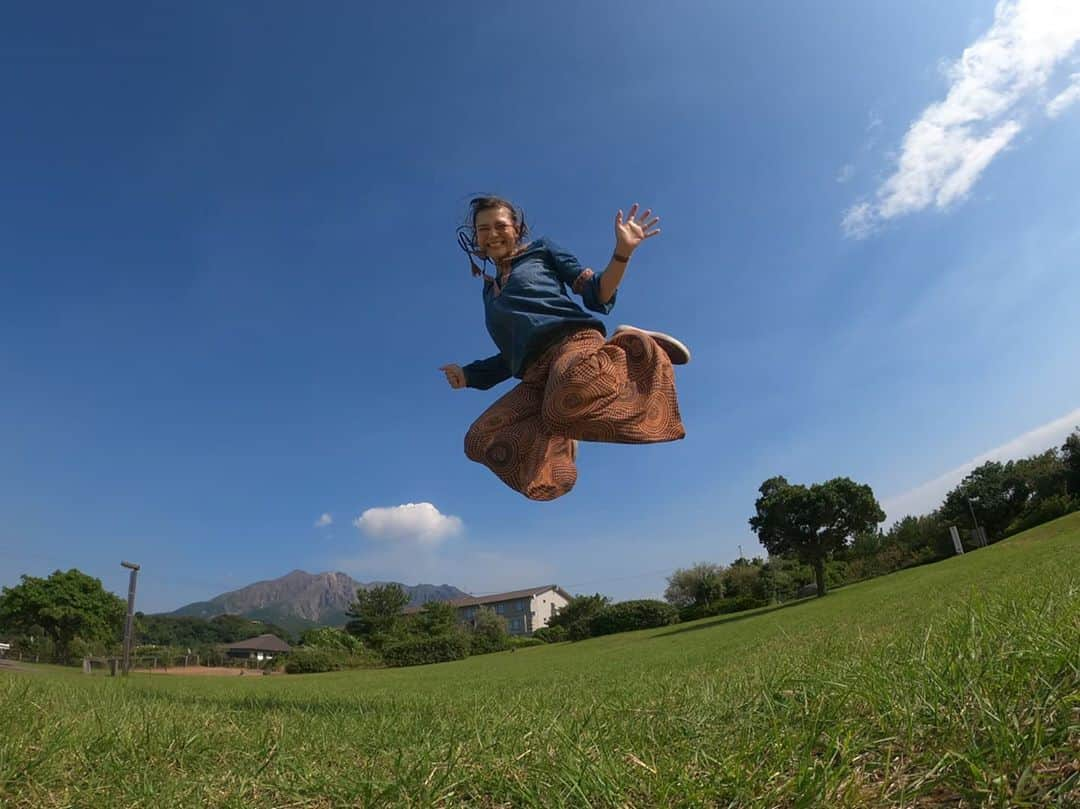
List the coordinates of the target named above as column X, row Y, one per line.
column 629, row 235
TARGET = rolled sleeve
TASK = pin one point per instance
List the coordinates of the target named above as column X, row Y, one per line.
column 584, row 282
column 484, row 374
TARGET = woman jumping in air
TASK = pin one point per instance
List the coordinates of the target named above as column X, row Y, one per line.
column 576, row 385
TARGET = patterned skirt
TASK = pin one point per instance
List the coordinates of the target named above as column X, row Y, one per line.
column 583, row 388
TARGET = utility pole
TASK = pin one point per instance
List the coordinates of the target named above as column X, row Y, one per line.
column 128, row 625
column 979, row 533
column 972, row 509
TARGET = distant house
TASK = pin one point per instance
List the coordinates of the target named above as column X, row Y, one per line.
column 262, row 647
column 4, row 648
column 525, row 611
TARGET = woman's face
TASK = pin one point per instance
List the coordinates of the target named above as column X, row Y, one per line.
column 496, row 234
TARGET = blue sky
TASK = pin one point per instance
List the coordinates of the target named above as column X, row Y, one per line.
column 230, row 272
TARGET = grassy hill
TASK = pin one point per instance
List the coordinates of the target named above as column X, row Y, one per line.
column 955, row 684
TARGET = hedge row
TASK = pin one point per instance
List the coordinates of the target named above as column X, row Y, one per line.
column 722, row 607
column 627, row 616
column 422, row 651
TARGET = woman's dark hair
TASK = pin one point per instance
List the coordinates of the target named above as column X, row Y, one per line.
column 467, row 232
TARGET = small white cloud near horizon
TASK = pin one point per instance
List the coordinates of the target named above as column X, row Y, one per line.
column 418, row 522
column 928, row 496
column 994, row 87
column 324, row 520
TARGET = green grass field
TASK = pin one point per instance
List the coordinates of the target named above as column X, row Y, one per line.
column 956, row 684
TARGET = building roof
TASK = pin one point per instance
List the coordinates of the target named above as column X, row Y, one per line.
column 494, row 598
column 261, row 643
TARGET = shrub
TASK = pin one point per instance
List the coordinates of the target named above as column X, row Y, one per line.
column 521, row 642
column 482, row 644
column 630, row 615
column 421, row 651
column 695, row 586
column 333, row 639
column 488, row 632
column 722, row 607
column 314, row 661
column 741, row 604
column 576, row 617
column 550, row 634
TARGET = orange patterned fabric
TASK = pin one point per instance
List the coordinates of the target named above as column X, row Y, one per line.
column 584, row 388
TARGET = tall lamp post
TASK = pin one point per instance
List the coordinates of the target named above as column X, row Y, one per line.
column 134, row 568
column 978, row 532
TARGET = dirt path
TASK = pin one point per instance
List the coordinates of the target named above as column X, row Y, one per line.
column 200, row 671
column 13, row 665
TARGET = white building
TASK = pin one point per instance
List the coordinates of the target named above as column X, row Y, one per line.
column 525, row 611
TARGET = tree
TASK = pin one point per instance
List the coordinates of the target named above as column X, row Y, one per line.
column 695, row 586
column 437, row 618
column 1041, row 476
column 577, row 615
column 741, row 578
column 331, row 639
column 376, row 613
column 1070, row 455
column 990, row 493
column 813, row 522
column 66, row 606
column 489, row 633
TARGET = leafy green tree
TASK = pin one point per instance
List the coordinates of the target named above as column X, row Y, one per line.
column 376, row 613
column 232, row 628
column 577, row 615
column 695, row 586
column 437, row 618
column 1041, row 476
column 813, row 522
column 332, row 639
column 184, row 631
column 782, row 576
column 1070, row 456
column 740, row 579
column 489, row 632
column 65, row 606
column 918, row 539
column 989, row 492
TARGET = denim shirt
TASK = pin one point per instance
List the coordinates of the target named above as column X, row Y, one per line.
column 534, row 309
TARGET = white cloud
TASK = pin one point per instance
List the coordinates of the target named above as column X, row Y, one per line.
column 847, row 171
column 925, row 498
column 324, row 520
column 858, row 221
column 1066, row 98
column 993, row 86
column 417, row 522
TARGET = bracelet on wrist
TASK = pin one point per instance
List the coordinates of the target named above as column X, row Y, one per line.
column 619, row 258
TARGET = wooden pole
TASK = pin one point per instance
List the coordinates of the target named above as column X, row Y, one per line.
column 134, row 568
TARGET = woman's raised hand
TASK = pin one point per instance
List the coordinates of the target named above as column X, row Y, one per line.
column 454, row 375
column 634, row 230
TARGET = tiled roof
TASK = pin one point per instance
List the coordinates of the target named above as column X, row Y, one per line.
column 261, row 643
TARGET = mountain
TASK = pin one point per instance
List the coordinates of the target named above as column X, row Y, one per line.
column 300, row 600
